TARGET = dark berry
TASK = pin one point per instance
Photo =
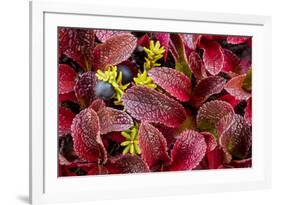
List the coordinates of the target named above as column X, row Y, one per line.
column 127, row 74
column 104, row 90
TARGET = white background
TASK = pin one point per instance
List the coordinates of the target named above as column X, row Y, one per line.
column 14, row 100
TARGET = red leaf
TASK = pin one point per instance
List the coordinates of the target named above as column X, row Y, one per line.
column 231, row 61
column 215, row 158
column 191, row 40
column 248, row 111
column 67, row 97
column 103, row 35
column 153, row 146
column 211, row 112
column 96, row 169
column 97, row 105
column 66, row 79
column 188, row 40
column 84, row 168
column 114, row 136
column 188, row 151
column 64, row 171
column 230, row 99
column 63, row 160
column 236, row 39
column 76, row 44
column 168, row 133
column 127, row 164
column 177, row 49
column 151, row 106
column 144, row 41
column 234, row 88
column 67, row 38
column 112, row 120
column 212, row 56
column 174, row 82
column 85, row 41
column 91, row 168
column 77, row 57
column 213, row 37
column 197, row 66
column 85, row 130
column 245, row 65
column 85, row 88
column 205, row 88
column 210, row 141
column 65, row 120
column 235, row 135
column 115, row 50
column 164, row 39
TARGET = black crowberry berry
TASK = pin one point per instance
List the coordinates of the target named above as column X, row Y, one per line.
column 104, row 90
column 127, row 74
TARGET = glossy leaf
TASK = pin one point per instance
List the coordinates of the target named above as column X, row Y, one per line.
column 115, row 50
column 210, row 113
column 210, row 141
column 174, row 82
column 77, row 57
column 230, row 99
column 231, row 61
column 77, row 44
column 197, row 66
column 234, row 87
column 104, row 35
column 127, row 164
column 206, row 88
column 66, row 79
column 67, row 39
column 149, row 105
column 153, row 145
column 188, row 151
column 144, row 41
column 178, row 52
column 236, row 39
column 248, row 111
column 215, row 158
column 65, row 120
column 113, row 120
column 235, row 135
column 67, row 97
column 85, row 130
column 164, row 39
column 97, row 105
column 167, row 132
column 213, row 57
column 96, row 169
column 85, row 88
column 191, row 40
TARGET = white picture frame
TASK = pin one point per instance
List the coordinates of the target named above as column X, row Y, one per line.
column 46, row 187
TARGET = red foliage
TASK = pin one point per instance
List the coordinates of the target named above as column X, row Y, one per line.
column 199, row 116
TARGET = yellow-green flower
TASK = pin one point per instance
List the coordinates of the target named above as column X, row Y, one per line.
column 144, row 80
column 131, row 142
column 111, row 76
column 154, row 53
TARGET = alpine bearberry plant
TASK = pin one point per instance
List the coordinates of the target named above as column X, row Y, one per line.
column 134, row 102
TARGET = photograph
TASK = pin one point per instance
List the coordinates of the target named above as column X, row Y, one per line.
column 148, row 101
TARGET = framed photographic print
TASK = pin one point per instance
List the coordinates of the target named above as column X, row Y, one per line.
column 126, row 103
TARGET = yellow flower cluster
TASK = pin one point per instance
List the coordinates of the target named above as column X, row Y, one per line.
column 144, row 80
column 154, row 53
column 131, row 142
column 115, row 79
